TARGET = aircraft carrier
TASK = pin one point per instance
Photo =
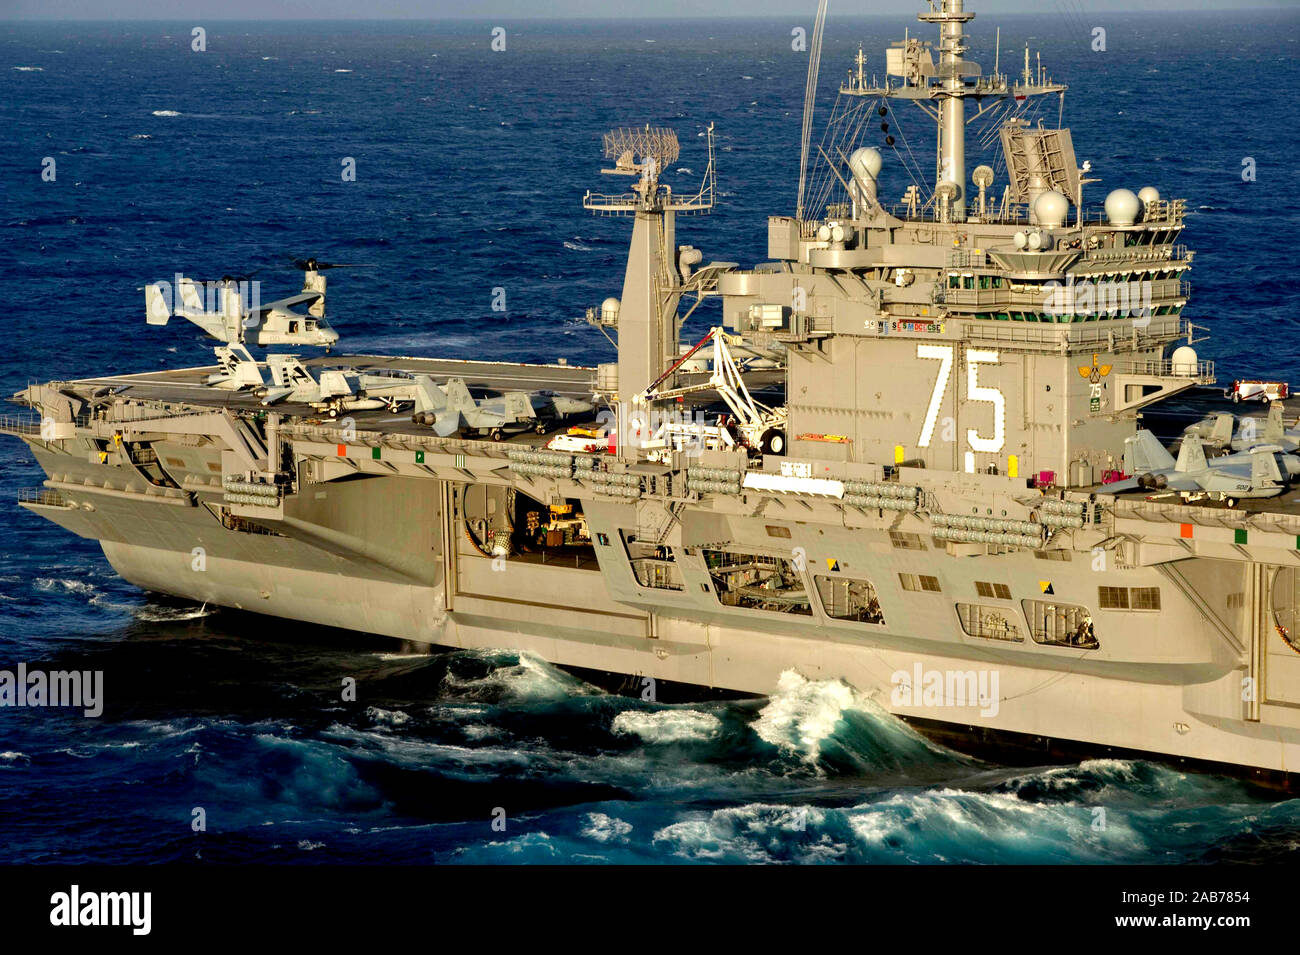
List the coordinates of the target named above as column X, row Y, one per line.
column 912, row 455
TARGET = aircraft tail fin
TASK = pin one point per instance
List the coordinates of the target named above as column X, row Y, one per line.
column 240, row 369
column 518, row 406
column 1191, row 456
column 1273, row 427
column 279, row 366
column 458, row 396
column 428, row 396
column 1221, row 436
column 1263, row 468
column 287, row 371
column 1143, row 453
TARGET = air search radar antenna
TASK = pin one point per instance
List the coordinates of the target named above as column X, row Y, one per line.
column 646, row 152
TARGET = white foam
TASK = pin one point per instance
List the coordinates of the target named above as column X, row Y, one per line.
column 67, row 586
column 165, row 112
column 667, row 726
column 30, row 69
column 151, row 613
column 390, row 717
column 605, row 828
column 803, row 713
column 532, row 678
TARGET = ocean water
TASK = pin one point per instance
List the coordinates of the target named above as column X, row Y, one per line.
column 471, row 165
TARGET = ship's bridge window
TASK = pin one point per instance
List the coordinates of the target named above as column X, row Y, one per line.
column 991, row 623
column 653, row 565
column 920, row 583
column 1060, row 624
column 1128, row 598
column 848, row 598
column 987, row 589
column 954, row 280
column 757, row 582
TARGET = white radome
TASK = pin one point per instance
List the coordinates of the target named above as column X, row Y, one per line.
column 1050, row 209
column 865, row 161
column 1122, row 207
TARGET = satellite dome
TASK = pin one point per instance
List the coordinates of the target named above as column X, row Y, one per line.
column 1184, row 360
column 865, row 161
column 1050, row 209
column 1021, row 240
column 609, row 309
column 1122, row 207
column 1148, row 195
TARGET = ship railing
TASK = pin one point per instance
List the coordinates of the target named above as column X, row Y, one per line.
column 43, row 496
column 1138, row 253
column 1202, row 371
column 20, row 424
column 1063, row 334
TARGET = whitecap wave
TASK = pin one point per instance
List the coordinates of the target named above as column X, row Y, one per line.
column 64, row 585
column 803, row 713
column 525, row 678
column 667, row 726
column 165, row 112
column 605, row 828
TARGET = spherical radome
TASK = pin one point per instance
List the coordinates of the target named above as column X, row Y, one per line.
column 1050, row 209
column 1122, row 207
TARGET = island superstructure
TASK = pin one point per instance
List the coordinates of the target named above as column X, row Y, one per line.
column 888, row 463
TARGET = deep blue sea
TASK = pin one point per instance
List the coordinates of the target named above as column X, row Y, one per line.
column 470, row 169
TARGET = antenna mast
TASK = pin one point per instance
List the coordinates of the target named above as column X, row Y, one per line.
column 809, row 101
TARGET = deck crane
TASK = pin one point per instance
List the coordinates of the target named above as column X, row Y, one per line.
column 760, row 427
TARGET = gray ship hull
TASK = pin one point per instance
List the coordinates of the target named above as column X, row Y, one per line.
column 370, row 553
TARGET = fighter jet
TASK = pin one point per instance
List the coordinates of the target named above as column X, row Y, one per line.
column 238, row 369
column 1264, row 471
column 336, row 390
column 450, row 409
column 1274, row 432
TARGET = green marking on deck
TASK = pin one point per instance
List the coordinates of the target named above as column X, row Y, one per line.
column 419, row 457
column 374, row 453
column 1239, row 535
